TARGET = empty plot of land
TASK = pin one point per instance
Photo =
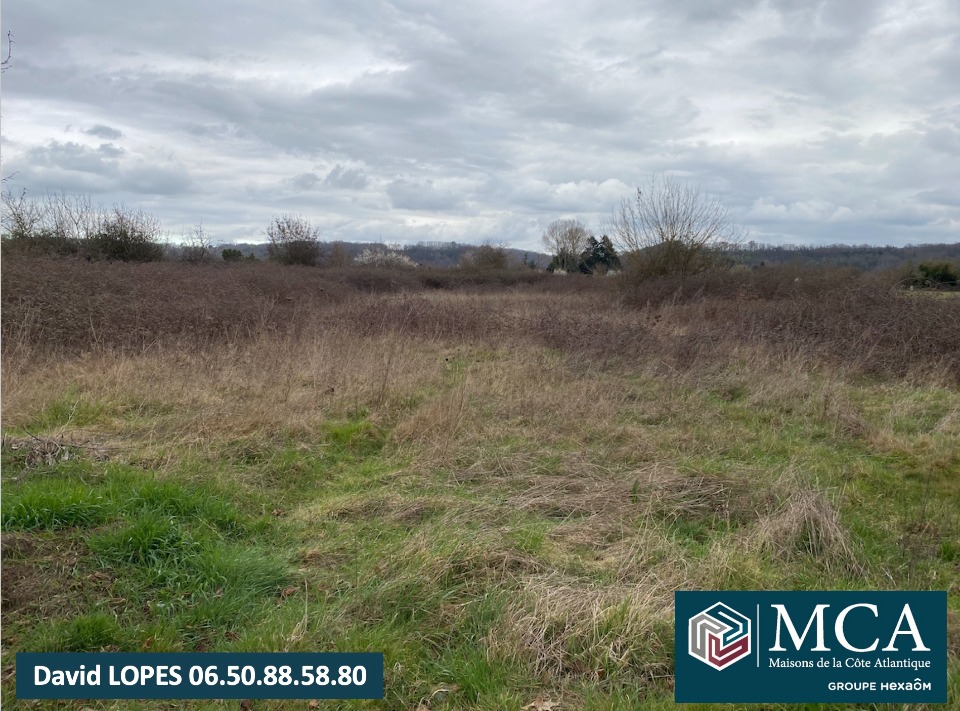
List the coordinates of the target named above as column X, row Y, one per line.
column 498, row 484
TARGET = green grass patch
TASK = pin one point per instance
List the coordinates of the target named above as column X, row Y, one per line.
column 71, row 410
column 91, row 632
column 497, row 568
column 54, row 503
column 359, row 438
column 188, row 568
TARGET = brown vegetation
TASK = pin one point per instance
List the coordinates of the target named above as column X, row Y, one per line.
column 825, row 318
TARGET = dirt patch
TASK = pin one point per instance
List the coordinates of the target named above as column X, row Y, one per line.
column 47, row 578
column 17, row 545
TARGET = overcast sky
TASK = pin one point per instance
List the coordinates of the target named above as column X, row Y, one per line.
column 815, row 122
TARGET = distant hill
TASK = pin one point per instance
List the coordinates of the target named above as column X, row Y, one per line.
column 427, row 254
column 863, row 257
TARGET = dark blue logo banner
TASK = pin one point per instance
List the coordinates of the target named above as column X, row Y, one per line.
column 811, row 647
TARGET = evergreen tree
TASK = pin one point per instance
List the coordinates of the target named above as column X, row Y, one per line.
column 599, row 256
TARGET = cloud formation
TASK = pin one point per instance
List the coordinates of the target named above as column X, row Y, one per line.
column 101, row 131
column 407, row 120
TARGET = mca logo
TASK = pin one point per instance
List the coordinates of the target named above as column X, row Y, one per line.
column 719, row 636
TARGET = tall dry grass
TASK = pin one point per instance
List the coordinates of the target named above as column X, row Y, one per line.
column 824, row 318
column 861, row 323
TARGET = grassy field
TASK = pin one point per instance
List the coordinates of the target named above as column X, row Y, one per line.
column 499, row 485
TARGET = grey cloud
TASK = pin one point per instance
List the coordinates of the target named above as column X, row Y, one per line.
column 211, row 130
column 346, row 178
column 74, row 156
column 421, row 195
column 155, row 180
column 102, row 131
column 110, row 151
column 944, row 139
column 949, row 197
column 304, row 181
column 73, row 166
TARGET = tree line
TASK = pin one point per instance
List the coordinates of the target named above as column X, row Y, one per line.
column 667, row 228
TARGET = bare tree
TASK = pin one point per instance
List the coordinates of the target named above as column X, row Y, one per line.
column 5, row 64
column 566, row 240
column 672, row 228
column 71, row 217
column 197, row 247
column 54, row 224
column 21, row 216
column 69, row 224
column 294, row 240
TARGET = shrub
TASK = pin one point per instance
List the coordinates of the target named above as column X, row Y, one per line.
column 42, row 241
column 383, row 257
column 379, row 280
column 834, row 316
column 294, row 240
column 231, row 255
column 60, row 225
column 485, row 257
column 127, row 236
column 933, row 275
column 339, row 256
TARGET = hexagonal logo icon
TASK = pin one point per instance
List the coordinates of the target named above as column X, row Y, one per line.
column 719, row 636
